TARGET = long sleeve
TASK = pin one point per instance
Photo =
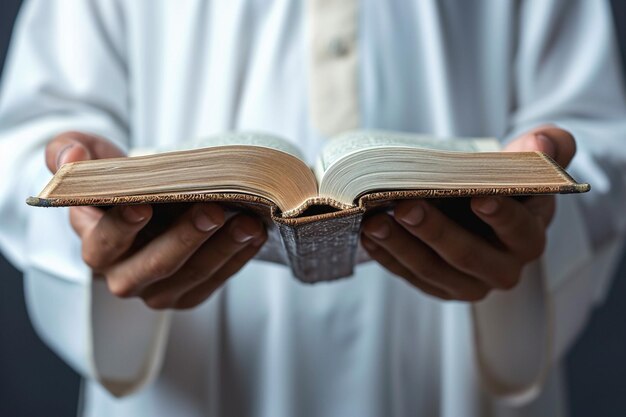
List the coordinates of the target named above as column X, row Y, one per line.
column 567, row 74
column 66, row 72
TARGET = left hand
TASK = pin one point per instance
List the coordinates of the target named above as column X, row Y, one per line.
column 446, row 260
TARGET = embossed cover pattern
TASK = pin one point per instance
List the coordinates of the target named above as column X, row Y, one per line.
column 324, row 249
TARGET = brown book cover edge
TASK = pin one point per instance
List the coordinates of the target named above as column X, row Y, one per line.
column 318, row 247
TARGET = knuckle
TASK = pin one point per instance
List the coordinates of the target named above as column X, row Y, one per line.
column 466, row 259
column 92, row 258
column 502, row 276
column 159, row 302
column 188, row 238
column 104, row 241
column 120, row 288
column 155, row 268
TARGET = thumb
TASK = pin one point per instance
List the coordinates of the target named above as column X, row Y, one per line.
column 557, row 143
column 76, row 146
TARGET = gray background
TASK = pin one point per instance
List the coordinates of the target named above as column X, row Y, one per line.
column 35, row 382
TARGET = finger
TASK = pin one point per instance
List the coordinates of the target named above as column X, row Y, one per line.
column 542, row 206
column 557, row 143
column 460, row 248
column 76, row 146
column 113, row 235
column 84, row 218
column 165, row 254
column 198, row 294
column 384, row 258
column 421, row 260
column 563, row 141
column 522, row 232
column 239, row 233
column 531, row 142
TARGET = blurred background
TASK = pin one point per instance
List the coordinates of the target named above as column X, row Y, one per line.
column 34, row 382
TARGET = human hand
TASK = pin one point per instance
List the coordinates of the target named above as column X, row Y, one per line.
column 171, row 256
column 447, row 260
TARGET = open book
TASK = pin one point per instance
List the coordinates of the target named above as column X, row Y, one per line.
column 355, row 172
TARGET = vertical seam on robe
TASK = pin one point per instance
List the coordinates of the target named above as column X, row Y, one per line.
column 333, row 86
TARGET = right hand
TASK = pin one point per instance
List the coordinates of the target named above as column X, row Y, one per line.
column 178, row 263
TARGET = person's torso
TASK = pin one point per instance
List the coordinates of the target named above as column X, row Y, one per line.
column 265, row 344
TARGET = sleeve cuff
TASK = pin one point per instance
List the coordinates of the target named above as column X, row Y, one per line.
column 520, row 334
column 129, row 340
column 119, row 343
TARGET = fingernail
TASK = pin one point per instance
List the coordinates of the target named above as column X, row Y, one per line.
column 381, row 231
column 488, row 206
column 62, row 153
column 132, row 215
column 203, row 221
column 548, row 145
column 241, row 235
column 414, row 216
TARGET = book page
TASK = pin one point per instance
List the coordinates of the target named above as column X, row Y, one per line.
column 263, row 140
column 350, row 142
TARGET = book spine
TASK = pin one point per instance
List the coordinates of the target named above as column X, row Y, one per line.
column 322, row 250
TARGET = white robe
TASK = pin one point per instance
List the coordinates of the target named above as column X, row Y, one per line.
column 147, row 73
